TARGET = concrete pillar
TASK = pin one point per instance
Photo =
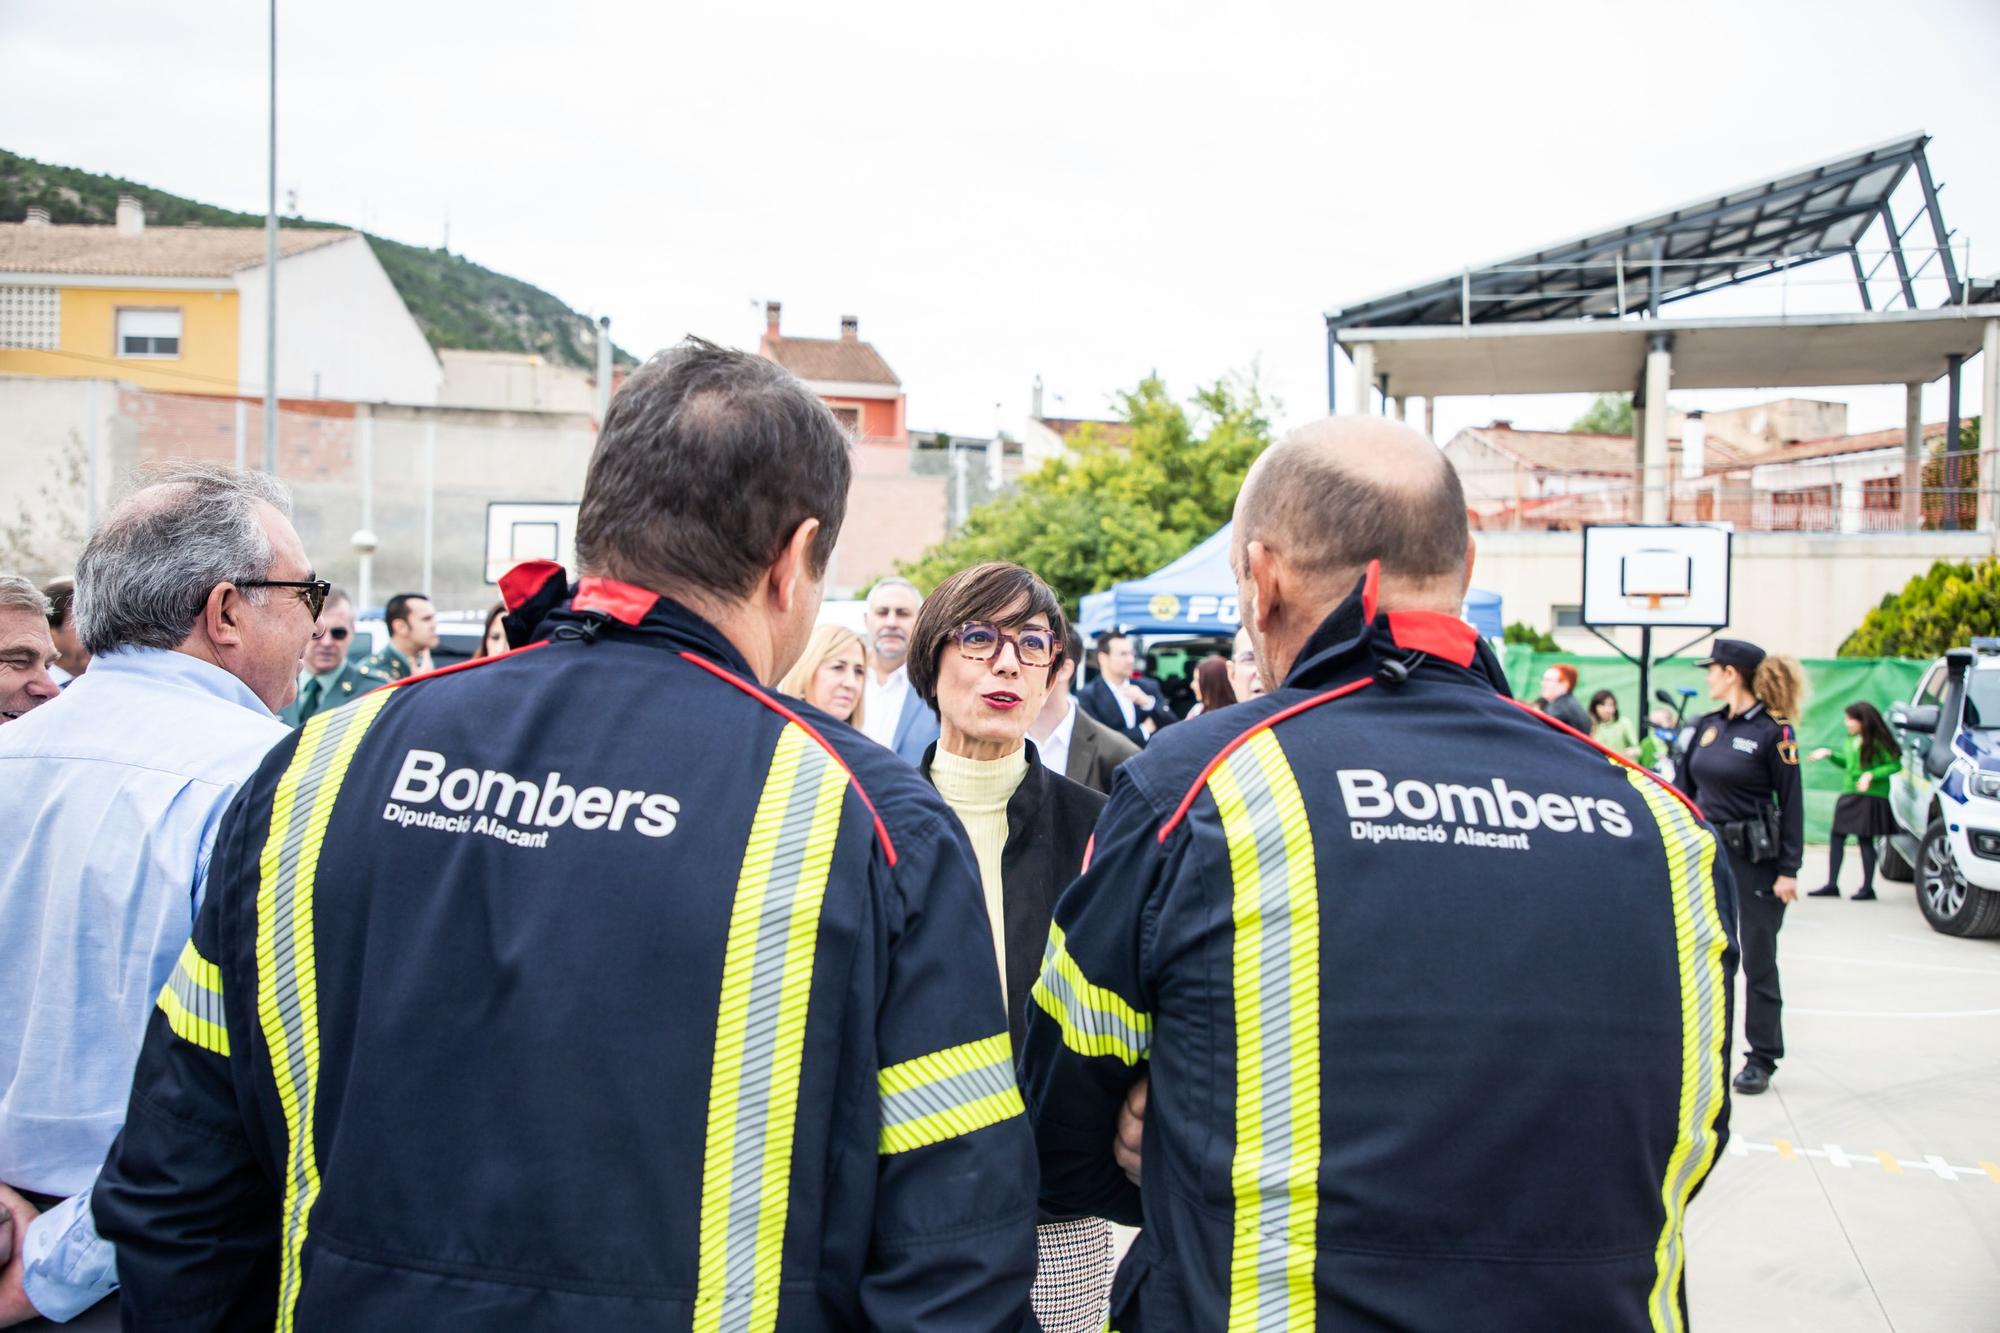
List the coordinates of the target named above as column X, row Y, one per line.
column 1989, row 441
column 1364, row 378
column 1638, row 462
column 1402, row 406
column 1913, row 456
column 1653, row 437
column 1431, row 416
column 1853, row 505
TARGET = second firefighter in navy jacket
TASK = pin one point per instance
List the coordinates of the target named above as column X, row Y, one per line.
column 586, row 987
column 1433, row 997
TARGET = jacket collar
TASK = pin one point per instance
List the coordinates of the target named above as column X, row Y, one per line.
column 1027, row 799
column 1357, row 637
column 542, row 604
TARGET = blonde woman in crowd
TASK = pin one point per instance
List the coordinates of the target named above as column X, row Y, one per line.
column 830, row 674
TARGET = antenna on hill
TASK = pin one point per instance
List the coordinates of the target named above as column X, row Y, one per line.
column 446, row 247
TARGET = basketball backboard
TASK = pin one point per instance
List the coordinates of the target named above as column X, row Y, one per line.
column 1674, row 574
column 518, row 530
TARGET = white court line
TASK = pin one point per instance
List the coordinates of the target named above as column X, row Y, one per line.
column 1834, row 1155
column 1993, row 972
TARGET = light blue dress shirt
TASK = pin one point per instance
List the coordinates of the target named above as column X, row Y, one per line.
column 110, row 796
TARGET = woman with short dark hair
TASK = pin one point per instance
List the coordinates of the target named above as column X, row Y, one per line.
column 1610, row 730
column 984, row 649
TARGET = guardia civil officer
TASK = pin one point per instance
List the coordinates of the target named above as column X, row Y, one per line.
column 592, row 985
column 1743, row 771
column 1433, row 996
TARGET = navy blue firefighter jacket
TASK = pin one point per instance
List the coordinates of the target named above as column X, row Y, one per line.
column 585, row 987
column 1434, row 997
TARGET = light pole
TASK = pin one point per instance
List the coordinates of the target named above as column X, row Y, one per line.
column 271, row 267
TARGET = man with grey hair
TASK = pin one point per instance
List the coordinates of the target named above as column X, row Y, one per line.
column 893, row 715
column 27, row 652
column 195, row 599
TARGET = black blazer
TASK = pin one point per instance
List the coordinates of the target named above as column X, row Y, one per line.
column 1095, row 751
column 1049, row 823
column 1097, row 700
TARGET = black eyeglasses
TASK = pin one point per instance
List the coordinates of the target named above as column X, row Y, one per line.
column 311, row 591
column 338, row 633
column 981, row 642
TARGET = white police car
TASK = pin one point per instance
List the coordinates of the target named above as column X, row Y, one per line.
column 1946, row 799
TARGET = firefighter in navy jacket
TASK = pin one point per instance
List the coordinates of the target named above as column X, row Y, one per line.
column 1432, row 995
column 590, row 986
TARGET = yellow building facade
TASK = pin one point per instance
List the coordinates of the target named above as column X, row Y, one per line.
column 91, row 319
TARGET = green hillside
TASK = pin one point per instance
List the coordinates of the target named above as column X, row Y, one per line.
column 456, row 302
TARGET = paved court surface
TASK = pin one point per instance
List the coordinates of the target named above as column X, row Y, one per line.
column 1862, row 1192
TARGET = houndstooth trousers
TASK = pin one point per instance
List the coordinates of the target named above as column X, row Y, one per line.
column 1073, row 1269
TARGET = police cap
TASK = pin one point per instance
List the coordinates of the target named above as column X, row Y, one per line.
column 1745, row 656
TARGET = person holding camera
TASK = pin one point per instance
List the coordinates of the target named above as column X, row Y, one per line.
column 1743, row 771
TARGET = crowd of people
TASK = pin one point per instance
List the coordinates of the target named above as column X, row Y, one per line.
column 685, row 963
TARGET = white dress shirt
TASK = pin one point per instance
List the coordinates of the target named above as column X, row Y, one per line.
column 1054, row 751
column 1124, row 704
column 882, row 705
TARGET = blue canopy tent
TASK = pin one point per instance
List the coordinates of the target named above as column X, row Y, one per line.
column 1196, row 594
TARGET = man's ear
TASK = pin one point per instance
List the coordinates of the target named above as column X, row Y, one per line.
column 222, row 615
column 791, row 572
column 1266, row 580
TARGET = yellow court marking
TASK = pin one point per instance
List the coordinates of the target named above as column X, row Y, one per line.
column 1889, row 1163
column 1786, row 1151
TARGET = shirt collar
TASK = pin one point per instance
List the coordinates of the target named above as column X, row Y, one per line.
column 327, row 679
column 170, row 666
column 898, row 679
column 1060, row 736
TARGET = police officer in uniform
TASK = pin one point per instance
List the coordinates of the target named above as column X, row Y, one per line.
column 329, row 680
column 1743, row 771
column 593, row 985
column 1430, row 997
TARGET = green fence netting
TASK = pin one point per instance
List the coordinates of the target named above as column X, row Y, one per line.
column 1831, row 684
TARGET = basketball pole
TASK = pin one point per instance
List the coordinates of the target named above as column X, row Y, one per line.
column 1645, row 680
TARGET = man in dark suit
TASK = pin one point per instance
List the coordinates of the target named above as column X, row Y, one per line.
column 1118, row 701
column 329, row 679
column 1068, row 740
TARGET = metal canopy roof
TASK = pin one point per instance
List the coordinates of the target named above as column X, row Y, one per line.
column 1883, row 347
column 1818, row 212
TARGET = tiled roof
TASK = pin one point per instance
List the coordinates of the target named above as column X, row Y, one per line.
column 156, row 252
column 830, row 360
column 1833, row 446
column 1068, row 428
column 1584, row 451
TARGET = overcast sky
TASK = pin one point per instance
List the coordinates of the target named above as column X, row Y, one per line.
column 1082, row 191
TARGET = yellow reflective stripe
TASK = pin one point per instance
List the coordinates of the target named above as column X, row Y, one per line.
column 948, row 1093
column 1275, row 967
column 760, row 1037
column 1700, row 940
column 1094, row 1020
column 287, row 982
column 192, row 1002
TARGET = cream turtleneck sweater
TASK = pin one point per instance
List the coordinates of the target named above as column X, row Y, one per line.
column 978, row 790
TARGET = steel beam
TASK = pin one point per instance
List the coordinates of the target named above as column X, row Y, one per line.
column 1937, row 227
column 1896, row 251
column 1860, row 279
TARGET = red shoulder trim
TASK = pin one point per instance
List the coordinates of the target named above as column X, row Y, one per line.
column 466, row 665
column 1568, row 730
column 1371, row 591
column 881, row 830
column 626, row 603
column 1089, row 850
column 1435, row 633
column 1187, row 801
column 519, row 585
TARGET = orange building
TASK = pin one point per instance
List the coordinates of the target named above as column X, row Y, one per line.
column 849, row 375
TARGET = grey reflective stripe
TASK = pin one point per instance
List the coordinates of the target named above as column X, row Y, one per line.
column 947, row 1094
column 1275, row 1006
column 199, row 1001
column 1083, row 1017
column 761, row 1036
column 1679, row 831
column 286, row 963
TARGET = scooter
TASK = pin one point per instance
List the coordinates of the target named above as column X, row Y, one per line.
column 1677, row 739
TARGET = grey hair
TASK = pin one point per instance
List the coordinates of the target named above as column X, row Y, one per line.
column 146, row 575
column 893, row 581
column 18, row 594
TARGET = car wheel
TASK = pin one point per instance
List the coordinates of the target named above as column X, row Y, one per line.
column 1892, row 866
column 1952, row 906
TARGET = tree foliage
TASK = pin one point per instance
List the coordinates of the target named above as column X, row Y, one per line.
column 1524, row 633
column 1124, row 503
column 1609, row 414
column 1942, row 608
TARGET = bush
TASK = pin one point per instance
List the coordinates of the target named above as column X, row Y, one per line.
column 1942, row 608
column 1522, row 632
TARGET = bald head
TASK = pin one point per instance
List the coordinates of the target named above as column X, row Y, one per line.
column 1326, row 500
column 1343, row 491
